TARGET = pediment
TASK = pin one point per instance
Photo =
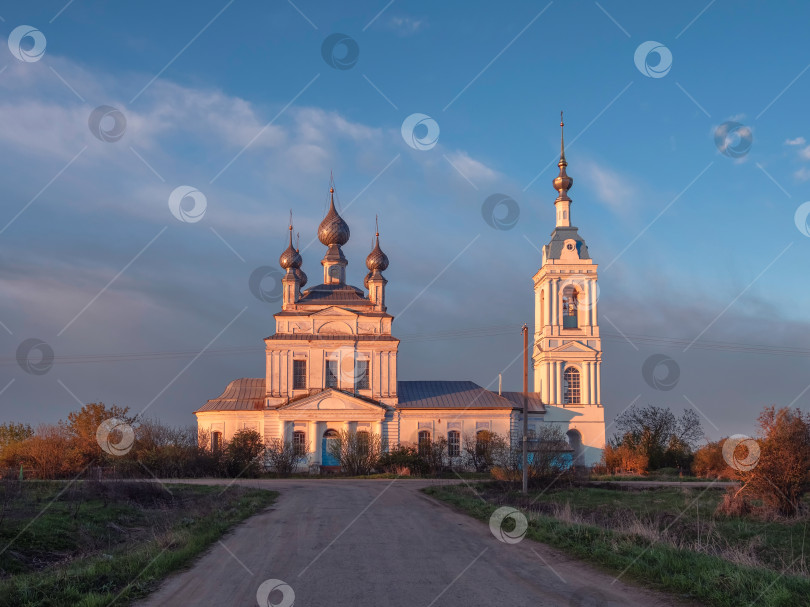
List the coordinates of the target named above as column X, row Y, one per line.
column 333, row 400
column 573, row 346
column 336, row 312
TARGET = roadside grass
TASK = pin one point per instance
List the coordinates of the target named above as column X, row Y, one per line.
column 668, row 539
column 664, row 474
column 108, row 543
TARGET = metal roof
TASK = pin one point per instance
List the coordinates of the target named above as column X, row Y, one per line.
column 243, row 394
column 535, row 403
column 448, row 395
column 558, row 238
column 334, row 294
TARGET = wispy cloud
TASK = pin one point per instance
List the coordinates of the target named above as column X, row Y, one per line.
column 406, row 26
column 796, row 141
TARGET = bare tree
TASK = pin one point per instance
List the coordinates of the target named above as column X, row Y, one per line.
column 282, row 456
column 358, row 452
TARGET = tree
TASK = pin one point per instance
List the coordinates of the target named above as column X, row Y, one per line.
column 14, row 433
column 708, row 461
column 49, row 453
column 83, row 426
column 780, row 476
column 626, row 456
column 660, row 436
column 358, row 452
column 548, row 456
column 242, row 456
column 480, row 449
column 281, row 457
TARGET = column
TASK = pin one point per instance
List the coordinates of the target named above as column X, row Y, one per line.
column 587, row 304
column 555, row 316
column 377, row 428
column 317, row 438
column 598, row 383
column 288, row 431
column 311, row 441
column 585, row 384
column 546, row 383
column 558, row 376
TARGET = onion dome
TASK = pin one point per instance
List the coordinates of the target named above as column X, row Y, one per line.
column 333, row 230
column 562, row 182
column 366, row 279
column 290, row 258
column 377, row 260
column 302, row 278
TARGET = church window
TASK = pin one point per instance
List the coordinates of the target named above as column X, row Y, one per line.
column 363, row 443
column 572, row 386
column 216, row 441
column 361, row 375
column 299, row 374
column 453, row 443
column 331, row 374
column 569, row 304
column 424, row 442
column 299, row 443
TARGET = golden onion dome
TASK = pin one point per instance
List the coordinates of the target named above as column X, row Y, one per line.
column 333, row 230
column 290, row 258
column 377, row 260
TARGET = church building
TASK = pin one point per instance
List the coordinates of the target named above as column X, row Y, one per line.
column 331, row 362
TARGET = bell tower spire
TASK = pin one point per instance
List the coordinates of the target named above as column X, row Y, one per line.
column 563, row 183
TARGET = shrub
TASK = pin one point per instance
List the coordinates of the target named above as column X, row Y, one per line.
column 242, row 454
column 281, row 457
column 357, row 452
column 708, row 462
column 403, row 459
column 781, row 475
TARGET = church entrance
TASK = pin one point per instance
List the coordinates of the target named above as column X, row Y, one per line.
column 327, row 459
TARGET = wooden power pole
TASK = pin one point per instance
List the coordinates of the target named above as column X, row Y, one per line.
column 525, row 459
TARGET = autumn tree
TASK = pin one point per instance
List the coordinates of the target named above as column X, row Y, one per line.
column 82, row 425
column 660, row 436
column 780, row 477
column 709, row 462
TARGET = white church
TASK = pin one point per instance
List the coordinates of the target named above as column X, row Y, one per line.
column 331, row 363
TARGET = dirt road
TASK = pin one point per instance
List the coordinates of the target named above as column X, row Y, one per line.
column 353, row 543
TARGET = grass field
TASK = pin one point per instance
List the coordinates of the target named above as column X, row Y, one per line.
column 665, row 538
column 107, row 543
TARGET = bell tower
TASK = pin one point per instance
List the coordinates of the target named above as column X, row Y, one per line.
column 567, row 353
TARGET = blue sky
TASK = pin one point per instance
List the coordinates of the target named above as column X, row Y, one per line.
column 237, row 101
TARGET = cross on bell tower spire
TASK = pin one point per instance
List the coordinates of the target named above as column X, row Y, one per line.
column 563, row 183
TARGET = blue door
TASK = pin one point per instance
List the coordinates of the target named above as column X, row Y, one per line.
column 327, row 459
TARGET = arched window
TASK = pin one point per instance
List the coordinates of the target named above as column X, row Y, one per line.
column 572, row 387
column 299, row 443
column 424, row 442
column 216, row 441
column 569, row 306
column 575, row 440
column 453, row 443
column 363, row 442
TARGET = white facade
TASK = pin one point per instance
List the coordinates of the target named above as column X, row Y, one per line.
column 331, row 363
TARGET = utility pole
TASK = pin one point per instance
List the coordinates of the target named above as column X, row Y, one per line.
column 525, row 459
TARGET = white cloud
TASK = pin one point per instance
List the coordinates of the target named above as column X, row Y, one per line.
column 472, row 169
column 612, row 188
column 405, row 26
column 796, row 141
column 805, row 153
column 802, row 174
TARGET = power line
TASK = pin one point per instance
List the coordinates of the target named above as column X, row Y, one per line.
column 473, row 333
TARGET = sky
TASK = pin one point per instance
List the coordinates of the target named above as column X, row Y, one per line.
column 687, row 139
